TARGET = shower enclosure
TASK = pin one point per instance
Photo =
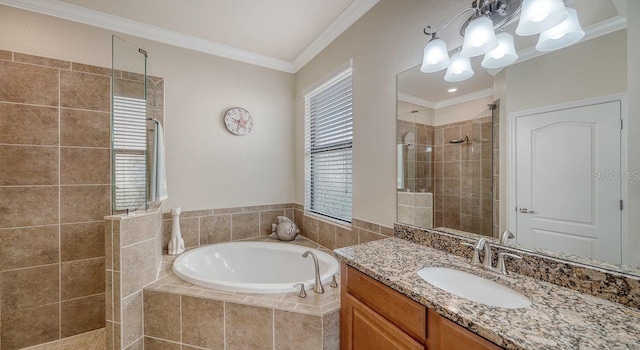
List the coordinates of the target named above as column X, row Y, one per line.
column 445, row 172
column 133, row 123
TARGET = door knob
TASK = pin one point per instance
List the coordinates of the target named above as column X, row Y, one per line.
column 526, row 211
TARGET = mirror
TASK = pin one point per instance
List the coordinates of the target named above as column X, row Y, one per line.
column 535, row 147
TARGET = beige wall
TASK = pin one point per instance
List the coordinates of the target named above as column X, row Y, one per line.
column 207, row 167
column 463, row 111
column 385, row 41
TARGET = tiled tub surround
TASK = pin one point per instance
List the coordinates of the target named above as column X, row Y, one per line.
column 201, row 227
column 601, row 280
column 559, row 318
column 54, row 194
column 133, row 245
column 178, row 313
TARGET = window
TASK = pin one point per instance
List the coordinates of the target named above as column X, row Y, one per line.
column 328, row 148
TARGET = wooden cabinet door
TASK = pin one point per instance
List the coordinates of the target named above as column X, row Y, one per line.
column 364, row 329
column 443, row 334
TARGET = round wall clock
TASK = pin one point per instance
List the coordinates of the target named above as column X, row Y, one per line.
column 238, row 121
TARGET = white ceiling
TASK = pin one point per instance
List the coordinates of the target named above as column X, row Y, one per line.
column 278, row 34
column 431, row 89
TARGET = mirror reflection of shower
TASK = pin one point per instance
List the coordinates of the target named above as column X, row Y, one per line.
column 415, row 145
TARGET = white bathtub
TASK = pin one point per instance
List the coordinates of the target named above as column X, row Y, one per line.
column 253, row 267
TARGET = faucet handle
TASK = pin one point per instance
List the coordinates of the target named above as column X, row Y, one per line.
column 334, row 283
column 302, row 293
column 475, row 259
column 502, row 267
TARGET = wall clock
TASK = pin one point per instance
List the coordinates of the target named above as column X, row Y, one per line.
column 238, row 121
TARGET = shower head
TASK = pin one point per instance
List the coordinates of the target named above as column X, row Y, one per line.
column 456, row 141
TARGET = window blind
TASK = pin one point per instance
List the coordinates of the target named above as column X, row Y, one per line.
column 328, row 148
column 129, row 148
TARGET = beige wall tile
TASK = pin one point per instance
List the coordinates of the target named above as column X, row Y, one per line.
column 85, row 128
column 30, row 287
column 248, row 327
column 109, row 336
column 82, row 241
column 366, row 225
column 298, row 219
column 157, row 344
column 331, row 331
column 215, row 229
column 129, row 88
column 327, row 234
column 41, row 61
column 108, row 245
column 203, row 322
column 310, row 228
column 84, row 203
column 31, row 326
column 108, row 296
column 267, row 218
column 297, row 331
column 85, row 91
column 28, row 165
column 387, row 231
column 82, row 315
column 26, row 247
column 30, row 125
column 346, row 237
column 82, row 278
column 189, row 228
column 256, row 208
column 245, row 225
column 85, row 68
column 138, row 229
column 138, row 266
column 89, row 166
column 137, row 345
column 117, row 296
column 6, row 55
column 162, row 315
column 365, row 236
column 26, row 83
column 132, row 319
column 116, row 224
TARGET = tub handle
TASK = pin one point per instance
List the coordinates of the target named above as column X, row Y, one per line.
column 334, row 283
column 302, row 293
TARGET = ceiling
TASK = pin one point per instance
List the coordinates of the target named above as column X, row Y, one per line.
column 430, row 90
column 278, row 34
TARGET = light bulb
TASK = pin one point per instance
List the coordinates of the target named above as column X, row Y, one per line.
column 479, row 37
column 567, row 33
column 436, row 57
column 503, row 55
column 537, row 16
column 459, row 69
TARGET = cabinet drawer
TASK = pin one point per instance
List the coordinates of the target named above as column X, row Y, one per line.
column 404, row 313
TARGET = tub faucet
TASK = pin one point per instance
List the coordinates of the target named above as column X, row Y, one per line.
column 318, row 286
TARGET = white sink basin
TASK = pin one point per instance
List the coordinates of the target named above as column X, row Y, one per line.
column 474, row 288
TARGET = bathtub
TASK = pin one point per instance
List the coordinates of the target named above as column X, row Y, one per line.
column 253, row 267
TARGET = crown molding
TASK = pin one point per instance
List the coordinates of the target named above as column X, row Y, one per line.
column 465, row 98
column 416, row 100
column 605, row 27
column 348, row 17
column 118, row 24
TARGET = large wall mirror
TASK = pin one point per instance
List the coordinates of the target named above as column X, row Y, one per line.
column 536, row 147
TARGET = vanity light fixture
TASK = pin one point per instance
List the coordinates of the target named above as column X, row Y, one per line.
column 557, row 25
column 452, row 90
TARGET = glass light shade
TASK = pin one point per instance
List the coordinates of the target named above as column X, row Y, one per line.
column 537, row 16
column 459, row 69
column 503, row 55
column 479, row 37
column 568, row 32
column 436, row 56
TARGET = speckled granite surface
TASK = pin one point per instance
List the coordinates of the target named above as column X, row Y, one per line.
column 559, row 318
column 613, row 285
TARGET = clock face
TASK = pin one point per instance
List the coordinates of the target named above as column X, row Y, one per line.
column 238, row 121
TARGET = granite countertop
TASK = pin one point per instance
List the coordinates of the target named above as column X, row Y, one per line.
column 559, row 318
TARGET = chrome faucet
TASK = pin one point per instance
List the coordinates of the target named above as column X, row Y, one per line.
column 505, row 236
column 482, row 244
column 318, row 286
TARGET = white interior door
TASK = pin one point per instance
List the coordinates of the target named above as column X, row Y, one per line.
column 568, row 181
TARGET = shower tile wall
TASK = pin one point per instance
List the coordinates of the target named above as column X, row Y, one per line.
column 417, row 162
column 463, row 176
column 54, row 194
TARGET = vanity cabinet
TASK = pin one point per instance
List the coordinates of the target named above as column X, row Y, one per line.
column 374, row 316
